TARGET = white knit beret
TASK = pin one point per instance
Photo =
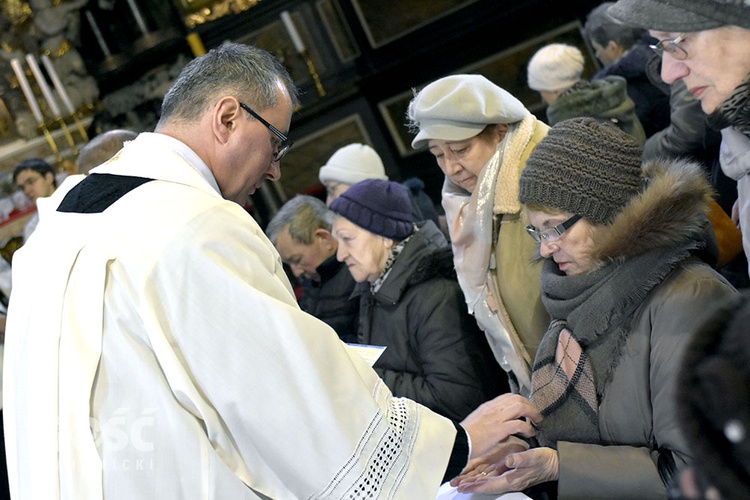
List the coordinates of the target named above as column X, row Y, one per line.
column 351, row 164
column 458, row 107
column 555, row 67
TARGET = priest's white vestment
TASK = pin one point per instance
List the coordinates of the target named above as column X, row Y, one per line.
column 155, row 350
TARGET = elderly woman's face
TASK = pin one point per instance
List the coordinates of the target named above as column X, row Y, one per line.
column 334, row 189
column 718, row 61
column 363, row 252
column 571, row 251
column 463, row 161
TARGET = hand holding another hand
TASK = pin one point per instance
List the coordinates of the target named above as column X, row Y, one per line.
column 518, row 472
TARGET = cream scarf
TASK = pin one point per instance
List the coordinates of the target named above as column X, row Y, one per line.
column 470, row 215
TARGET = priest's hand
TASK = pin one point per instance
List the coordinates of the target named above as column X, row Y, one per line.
column 492, row 422
column 520, row 471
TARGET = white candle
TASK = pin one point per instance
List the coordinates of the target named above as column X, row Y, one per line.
column 26, row 88
column 46, row 92
column 98, row 34
column 64, row 97
column 286, row 18
column 138, row 18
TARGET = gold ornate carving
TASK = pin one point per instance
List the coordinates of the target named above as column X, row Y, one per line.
column 5, row 119
column 17, row 11
column 202, row 11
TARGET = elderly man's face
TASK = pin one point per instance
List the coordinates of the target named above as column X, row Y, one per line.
column 718, row 61
column 303, row 259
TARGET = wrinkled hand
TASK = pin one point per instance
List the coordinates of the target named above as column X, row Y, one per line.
column 493, row 421
column 492, row 463
column 525, row 469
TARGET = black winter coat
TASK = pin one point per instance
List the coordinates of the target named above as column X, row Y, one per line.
column 651, row 104
column 436, row 354
column 330, row 299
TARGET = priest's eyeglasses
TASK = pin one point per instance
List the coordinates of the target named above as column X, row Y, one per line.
column 671, row 47
column 284, row 143
column 552, row 234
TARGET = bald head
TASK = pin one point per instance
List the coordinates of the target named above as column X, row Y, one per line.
column 101, row 148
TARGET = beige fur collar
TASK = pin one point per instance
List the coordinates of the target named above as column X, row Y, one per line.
column 671, row 210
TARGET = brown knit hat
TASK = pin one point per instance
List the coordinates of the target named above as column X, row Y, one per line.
column 584, row 167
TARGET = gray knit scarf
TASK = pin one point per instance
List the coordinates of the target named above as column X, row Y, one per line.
column 734, row 111
column 592, row 317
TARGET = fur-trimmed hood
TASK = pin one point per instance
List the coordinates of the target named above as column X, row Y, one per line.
column 670, row 211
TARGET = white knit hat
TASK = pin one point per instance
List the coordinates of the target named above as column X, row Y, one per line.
column 351, row 164
column 555, row 67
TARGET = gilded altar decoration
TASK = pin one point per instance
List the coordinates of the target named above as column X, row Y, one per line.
column 202, row 11
column 16, row 11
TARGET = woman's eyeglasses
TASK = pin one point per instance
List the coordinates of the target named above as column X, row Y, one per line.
column 671, row 47
column 552, row 234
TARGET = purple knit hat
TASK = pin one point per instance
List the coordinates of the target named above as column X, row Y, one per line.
column 381, row 207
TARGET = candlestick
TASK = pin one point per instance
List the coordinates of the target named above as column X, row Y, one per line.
column 26, row 88
column 42, row 82
column 138, row 18
column 80, row 128
column 286, row 18
column 98, row 34
column 196, row 44
column 314, row 74
column 64, row 97
column 68, row 135
column 51, row 142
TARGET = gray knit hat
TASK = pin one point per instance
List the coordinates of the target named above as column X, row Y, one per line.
column 681, row 15
column 584, row 167
column 381, row 207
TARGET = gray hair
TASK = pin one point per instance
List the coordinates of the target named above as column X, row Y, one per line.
column 600, row 27
column 102, row 147
column 249, row 73
column 302, row 215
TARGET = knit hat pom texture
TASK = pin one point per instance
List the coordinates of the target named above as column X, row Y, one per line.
column 351, row 164
column 555, row 67
column 381, row 207
column 583, row 167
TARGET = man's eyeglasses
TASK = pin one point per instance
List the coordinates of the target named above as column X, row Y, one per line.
column 553, row 234
column 284, row 145
column 671, row 47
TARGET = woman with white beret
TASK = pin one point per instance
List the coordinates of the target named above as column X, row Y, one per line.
column 481, row 137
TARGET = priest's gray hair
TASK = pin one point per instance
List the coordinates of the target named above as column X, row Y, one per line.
column 248, row 73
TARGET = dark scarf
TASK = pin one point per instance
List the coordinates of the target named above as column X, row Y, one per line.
column 395, row 252
column 735, row 111
column 592, row 317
